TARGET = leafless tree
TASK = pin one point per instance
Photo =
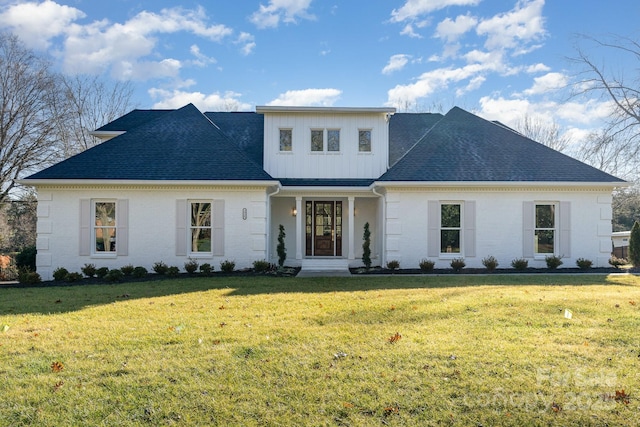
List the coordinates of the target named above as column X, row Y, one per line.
column 547, row 133
column 89, row 102
column 620, row 139
column 28, row 113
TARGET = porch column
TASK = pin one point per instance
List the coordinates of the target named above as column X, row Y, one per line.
column 299, row 216
column 351, row 221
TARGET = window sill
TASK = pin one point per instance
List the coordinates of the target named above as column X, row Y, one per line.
column 104, row 255
column 200, row 255
column 451, row 255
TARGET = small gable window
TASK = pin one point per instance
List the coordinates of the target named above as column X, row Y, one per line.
column 364, row 140
column 317, row 140
column 285, row 139
column 333, row 140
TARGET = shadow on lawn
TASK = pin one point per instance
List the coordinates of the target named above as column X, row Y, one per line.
column 51, row 299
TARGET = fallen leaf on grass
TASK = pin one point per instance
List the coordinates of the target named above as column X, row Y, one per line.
column 622, row 397
column 391, row 410
column 555, row 407
column 632, row 302
column 394, row 338
column 57, row 385
column 57, row 366
column 347, row 404
column 4, row 328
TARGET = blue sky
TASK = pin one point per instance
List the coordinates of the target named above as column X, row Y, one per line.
column 501, row 59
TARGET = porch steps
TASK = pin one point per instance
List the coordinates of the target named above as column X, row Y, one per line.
column 320, row 267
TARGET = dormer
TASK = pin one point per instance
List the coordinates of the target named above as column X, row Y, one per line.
column 326, row 142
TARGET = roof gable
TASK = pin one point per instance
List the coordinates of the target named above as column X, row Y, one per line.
column 177, row 145
column 245, row 129
column 465, row 147
column 405, row 129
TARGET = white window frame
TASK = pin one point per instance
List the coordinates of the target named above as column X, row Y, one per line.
column 339, row 140
column 94, row 229
column 460, row 228
column 191, row 227
column 370, row 140
column 311, row 132
column 555, row 228
column 280, row 130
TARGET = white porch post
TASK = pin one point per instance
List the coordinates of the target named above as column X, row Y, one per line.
column 351, row 220
column 299, row 216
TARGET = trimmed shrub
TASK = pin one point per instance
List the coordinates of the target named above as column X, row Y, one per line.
column 206, row 268
column 583, row 263
column 393, row 265
column 227, row 266
column 616, row 262
column 89, row 270
column 634, row 245
column 281, row 249
column 28, row 277
column 191, row 266
column 427, row 265
column 140, row 272
column 73, row 277
column 261, row 266
column 553, row 261
column 27, row 258
column 127, row 270
column 173, row 271
column 490, row 263
column 520, row 264
column 366, row 247
column 102, row 272
column 114, row 275
column 457, row 264
column 60, row 274
column 160, row 268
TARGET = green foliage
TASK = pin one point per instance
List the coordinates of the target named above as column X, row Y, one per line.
column 227, row 266
column 427, row 265
column 73, row 277
column 366, row 247
column 114, row 275
column 102, row 272
column 520, row 264
column 160, row 268
column 393, row 265
column 27, row 258
column 490, row 263
column 583, row 263
column 191, row 266
column 173, row 271
column 626, row 208
column 28, row 277
column 553, row 261
column 261, row 266
column 140, row 272
column 634, row 245
column 60, row 274
column 206, row 268
column 616, row 262
column 281, row 249
column 457, row 264
column 127, row 270
column 88, row 270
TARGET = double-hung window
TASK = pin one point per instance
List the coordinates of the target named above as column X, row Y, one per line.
column 104, row 227
column 200, row 227
column 450, row 228
column 545, row 229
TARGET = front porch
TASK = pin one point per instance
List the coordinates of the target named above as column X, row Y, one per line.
column 324, row 230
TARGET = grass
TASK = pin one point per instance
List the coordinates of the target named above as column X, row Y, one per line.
column 464, row 350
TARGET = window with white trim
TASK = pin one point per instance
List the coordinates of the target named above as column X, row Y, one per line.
column 286, row 138
column 104, row 227
column 450, row 228
column 201, row 228
column 545, row 230
column 364, row 140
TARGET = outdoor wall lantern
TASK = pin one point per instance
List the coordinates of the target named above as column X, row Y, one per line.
column 294, row 211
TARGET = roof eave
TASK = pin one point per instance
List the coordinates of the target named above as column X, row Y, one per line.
column 261, row 109
column 611, row 184
column 143, row 182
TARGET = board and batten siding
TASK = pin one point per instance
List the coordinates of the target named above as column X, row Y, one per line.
column 349, row 162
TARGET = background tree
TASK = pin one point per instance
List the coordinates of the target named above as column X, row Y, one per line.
column 18, row 223
column 29, row 112
column 634, row 245
column 543, row 132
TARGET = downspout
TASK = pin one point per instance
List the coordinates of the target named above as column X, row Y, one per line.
column 383, row 222
column 269, row 215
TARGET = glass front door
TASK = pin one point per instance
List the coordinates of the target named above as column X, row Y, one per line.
column 323, row 224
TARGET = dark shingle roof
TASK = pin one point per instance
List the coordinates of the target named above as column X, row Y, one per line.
column 177, row 145
column 244, row 129
column 465, row 147
column 132, row 120
column 405, row 129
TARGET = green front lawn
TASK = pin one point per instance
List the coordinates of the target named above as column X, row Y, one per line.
column 363, row 351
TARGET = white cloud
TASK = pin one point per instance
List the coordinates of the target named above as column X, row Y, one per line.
column 537, row 68
column 396, row 63
column 308, row 97
column 415, row 8
column 201, row 59
column 247, row 43
column 547, row 83
column 451, row 30
column 510, row 30
column 37, row 23
column 281, row 10
column 212, row 102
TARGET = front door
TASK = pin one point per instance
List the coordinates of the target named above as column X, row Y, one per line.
column 324, row 228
